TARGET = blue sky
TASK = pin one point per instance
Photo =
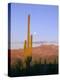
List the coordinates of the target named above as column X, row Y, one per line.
column 43, row 22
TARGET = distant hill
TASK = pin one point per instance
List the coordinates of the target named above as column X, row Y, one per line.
column 43, row 52
column 48, row 52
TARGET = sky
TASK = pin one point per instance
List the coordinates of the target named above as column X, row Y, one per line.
column 43, row 22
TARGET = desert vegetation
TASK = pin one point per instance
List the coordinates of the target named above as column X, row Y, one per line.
column 36, row 68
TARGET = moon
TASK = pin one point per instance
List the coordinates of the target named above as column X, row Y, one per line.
column 34, row 33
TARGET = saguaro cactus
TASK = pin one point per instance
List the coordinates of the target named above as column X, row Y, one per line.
column 24, row 44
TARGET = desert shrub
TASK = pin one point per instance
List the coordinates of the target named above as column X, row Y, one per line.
column 45, row 61
column 17, row 69
column 40, row 61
